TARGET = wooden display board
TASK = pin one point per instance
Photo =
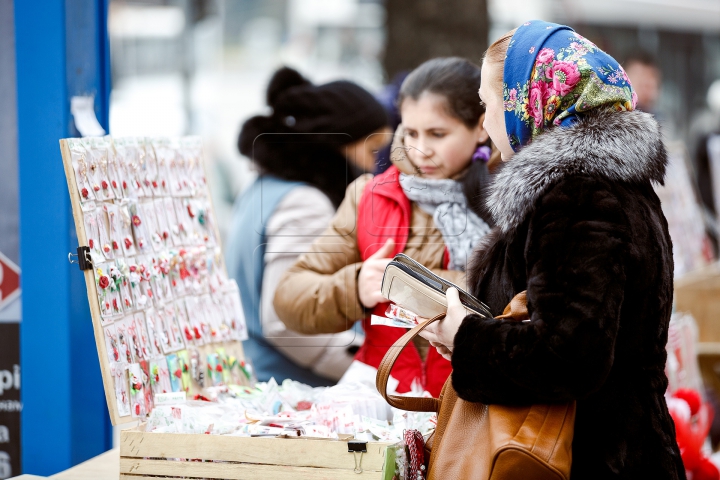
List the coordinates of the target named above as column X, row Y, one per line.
column 698, row 293
column 104, row 177
column 146, row 455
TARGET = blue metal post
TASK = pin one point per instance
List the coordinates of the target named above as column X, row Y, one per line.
column 61, row 51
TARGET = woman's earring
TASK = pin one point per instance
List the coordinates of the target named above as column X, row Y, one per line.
column 482, row 153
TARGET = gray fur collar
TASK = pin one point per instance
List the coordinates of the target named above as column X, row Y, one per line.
column 619, row 146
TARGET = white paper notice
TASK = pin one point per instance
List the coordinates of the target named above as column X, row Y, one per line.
column 83, row 111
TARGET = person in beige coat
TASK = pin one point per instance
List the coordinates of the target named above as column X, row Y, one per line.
column 419, row 207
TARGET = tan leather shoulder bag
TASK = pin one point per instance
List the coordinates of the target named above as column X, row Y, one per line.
column 494, row 442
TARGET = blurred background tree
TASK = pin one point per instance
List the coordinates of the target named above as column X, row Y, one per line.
column 418, row 30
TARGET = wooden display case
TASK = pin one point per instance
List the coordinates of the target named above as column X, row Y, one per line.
column 217, row 456
column 147, row 455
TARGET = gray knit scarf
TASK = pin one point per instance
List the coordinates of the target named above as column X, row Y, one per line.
column 444, row 199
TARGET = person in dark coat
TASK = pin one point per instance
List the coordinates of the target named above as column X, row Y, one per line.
column 579, row 227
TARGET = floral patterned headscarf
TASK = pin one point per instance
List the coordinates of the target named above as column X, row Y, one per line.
column 552, row 75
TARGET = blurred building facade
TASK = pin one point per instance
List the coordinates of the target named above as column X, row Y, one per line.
column 200, row 66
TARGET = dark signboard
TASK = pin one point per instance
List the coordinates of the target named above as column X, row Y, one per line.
column 10, row 405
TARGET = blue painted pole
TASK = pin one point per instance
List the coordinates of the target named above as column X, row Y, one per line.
column 60, row 52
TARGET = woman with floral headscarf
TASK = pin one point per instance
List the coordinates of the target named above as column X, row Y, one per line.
column 580, row 228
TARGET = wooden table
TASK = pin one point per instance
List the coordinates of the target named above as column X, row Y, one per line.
column 102, row 467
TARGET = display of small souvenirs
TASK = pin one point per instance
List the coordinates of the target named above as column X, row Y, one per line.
column 691, row 249
column 292, row 409
column 162, row 288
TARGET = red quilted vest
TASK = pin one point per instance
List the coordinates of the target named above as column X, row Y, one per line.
column 385, row 212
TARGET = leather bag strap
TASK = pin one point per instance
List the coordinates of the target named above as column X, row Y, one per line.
column 416, row 404
column 515, row 310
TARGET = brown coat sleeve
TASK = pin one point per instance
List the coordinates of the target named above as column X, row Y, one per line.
column 318, row 294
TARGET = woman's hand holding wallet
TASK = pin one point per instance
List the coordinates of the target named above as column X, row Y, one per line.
column 413, row 287
column 441, row 334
